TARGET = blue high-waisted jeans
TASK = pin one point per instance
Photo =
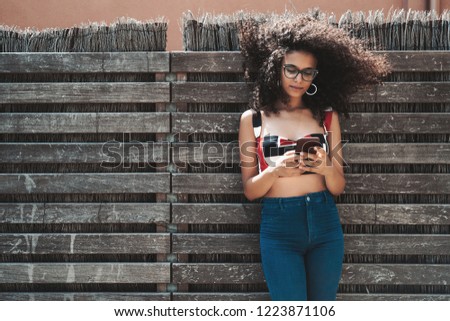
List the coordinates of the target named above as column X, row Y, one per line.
column 302, row 247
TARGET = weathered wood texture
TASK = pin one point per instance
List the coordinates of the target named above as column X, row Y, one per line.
column 36, row 217
column 242, row 273
column 211, row 296
column 93, row 153
column 84, row 213
column 363, row 123
column 68, row 183
column 83, row 296
column 62, row 123
column 85, row 273
column 412, row 214
column 223, row 183
column 355, row 244
column 94, row 92
column 84, row 62
column 83, row 243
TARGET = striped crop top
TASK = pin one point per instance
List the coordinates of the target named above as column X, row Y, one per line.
column 273, row 145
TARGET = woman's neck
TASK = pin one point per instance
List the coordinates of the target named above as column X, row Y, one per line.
column 290, row 106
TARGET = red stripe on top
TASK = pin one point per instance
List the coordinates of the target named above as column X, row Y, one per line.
column 327, row 120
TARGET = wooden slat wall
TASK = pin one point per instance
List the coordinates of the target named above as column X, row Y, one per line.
column 150, row 250
column 53, row 247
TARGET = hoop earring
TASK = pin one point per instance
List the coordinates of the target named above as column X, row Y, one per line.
column 315, row 90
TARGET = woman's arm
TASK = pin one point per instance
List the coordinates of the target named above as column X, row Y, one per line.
column 334, row 175
column 255, row 184
column 331, row 167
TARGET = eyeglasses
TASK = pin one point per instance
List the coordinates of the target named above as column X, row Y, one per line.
column 308, row 74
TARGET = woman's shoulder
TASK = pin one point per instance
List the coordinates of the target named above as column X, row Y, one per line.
column 248, row 113
column 247, row 116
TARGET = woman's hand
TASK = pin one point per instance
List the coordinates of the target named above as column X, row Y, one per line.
column 316, row 163
column 287, row 165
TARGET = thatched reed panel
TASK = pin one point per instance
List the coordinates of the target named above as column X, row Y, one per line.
column 394, row 210
column 83, row 163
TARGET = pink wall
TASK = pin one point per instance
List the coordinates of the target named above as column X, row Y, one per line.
column 67, row 13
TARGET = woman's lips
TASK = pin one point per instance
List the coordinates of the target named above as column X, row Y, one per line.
column 296, row 88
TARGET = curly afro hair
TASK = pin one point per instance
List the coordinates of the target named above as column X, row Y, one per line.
column 344, row 64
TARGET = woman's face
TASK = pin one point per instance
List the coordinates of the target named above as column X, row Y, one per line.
column 292, row 62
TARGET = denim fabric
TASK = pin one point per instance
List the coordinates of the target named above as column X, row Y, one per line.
column 302, row 247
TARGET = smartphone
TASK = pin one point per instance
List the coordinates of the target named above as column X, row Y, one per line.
column 307, row 144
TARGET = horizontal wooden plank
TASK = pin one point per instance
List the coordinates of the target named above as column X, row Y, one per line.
column 88, row 213
column 84, row 62
column 223, row 213
column 418, row 61
column 217, row 273
column 242, row 273
column 364, row 123
column 210, row 92
column 83, row 296
column 84, row 273
column 408, row 214
column 226, row 61
column 396, row 123
column 210, row 183
column 208, row 296
column 96, row 183
column 390, row 244
column 86, row 123
column 424, row 274
column 86, row 92
column 397, row 184
column 386, row 153
column 218, row 296
column 354, row 244
column 373, row 153
column 206, row 61
column 218, row 213
column 429, row 214
column 388, row 92
column 221, row 123
column 215, row 243
column 108, row 154
column 104, row 243
column 263, row 296
column 219, row 183
column 392, row 297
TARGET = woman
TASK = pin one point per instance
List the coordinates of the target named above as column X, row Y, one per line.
column 305, row 72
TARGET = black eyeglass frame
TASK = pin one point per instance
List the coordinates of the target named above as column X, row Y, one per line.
column 301, row 71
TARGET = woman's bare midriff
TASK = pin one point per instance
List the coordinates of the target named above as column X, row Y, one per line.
column 297, row 185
